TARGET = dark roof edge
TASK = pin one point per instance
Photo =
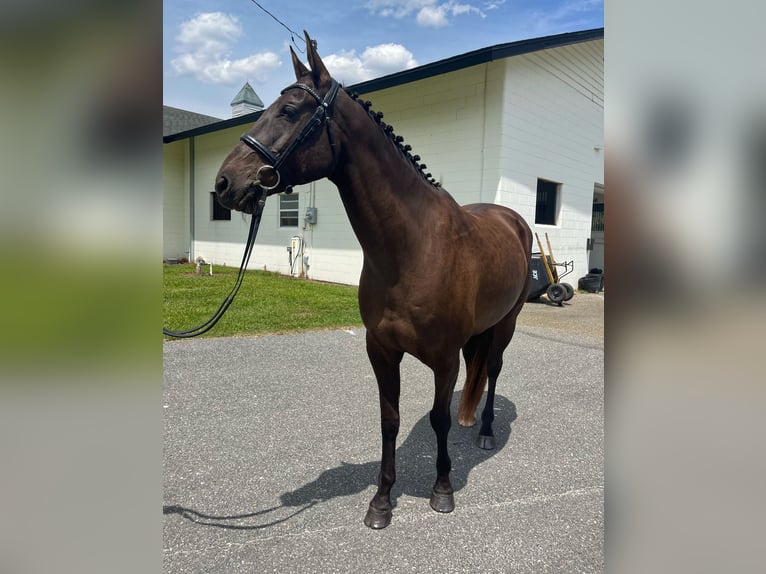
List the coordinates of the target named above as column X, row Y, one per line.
column 447, row 65
column 214, row 127
column 477, row 57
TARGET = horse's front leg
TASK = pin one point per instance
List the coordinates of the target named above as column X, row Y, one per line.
column 385, row 364
column 442, row 497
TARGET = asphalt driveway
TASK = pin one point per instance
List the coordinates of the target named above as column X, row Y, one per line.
column 272, row 451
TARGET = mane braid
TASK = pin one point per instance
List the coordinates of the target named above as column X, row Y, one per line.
column 397, row 140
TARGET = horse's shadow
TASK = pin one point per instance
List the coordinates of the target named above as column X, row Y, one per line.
column 415, row 471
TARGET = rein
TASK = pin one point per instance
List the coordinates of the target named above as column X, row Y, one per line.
column 322, row 115
column 255, row 222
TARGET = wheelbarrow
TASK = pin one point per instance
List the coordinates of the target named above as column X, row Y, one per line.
column 545, row 277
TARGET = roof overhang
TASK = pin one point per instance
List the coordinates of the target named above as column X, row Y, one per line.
column 477, row 57
column 445, row 66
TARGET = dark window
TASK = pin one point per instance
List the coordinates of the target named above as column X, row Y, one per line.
column 220, row 213
column 288, row 210
column 597, row 223
column 547, row 206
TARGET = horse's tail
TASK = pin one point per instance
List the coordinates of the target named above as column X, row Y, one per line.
column 475, row 351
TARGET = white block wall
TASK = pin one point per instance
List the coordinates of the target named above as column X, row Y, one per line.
column 553, row 121
column 175, row 212
column 443, row 118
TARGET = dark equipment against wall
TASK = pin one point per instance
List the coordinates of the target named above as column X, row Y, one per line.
column 545, row 276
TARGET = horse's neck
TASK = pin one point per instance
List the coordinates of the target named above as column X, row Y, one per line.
column 387, row 201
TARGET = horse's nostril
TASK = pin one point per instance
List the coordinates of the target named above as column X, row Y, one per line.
column 221, row 184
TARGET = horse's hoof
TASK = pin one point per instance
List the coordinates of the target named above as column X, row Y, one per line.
column 377, row 519
column 442, row 502
column 486, row 442
column 466, row 421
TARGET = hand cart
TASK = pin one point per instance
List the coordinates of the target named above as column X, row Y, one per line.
column 545, row 277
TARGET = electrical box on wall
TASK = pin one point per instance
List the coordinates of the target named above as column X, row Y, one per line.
column 311, row 215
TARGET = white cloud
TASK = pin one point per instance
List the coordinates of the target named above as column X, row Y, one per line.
column 374, row 62
column 432, row 16
column 437, row 15
column 212, row 31
column 493, row 4
column 397, row 8
column 387, row 58
column 204, row 45
column 569, row 14
column 428, row 13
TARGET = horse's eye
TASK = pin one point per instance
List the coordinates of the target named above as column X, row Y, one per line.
column 289, row 111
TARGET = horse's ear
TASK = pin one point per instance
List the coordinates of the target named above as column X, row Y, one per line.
column 300, row 69
column 318, row 71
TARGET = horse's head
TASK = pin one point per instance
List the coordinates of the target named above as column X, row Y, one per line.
column 290, row 144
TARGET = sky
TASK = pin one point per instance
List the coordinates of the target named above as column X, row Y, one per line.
column 212, row 47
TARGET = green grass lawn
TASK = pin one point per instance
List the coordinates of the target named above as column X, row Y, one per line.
column 266, row 303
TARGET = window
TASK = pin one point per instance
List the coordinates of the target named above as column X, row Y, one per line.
column 288, row 210
column 547, row 206
column 597, row 222
column 220, row 213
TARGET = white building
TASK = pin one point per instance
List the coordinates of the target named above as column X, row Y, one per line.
column 519, row 124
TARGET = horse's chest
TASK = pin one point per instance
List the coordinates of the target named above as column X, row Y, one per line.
column 407, row 316
column 408, row 329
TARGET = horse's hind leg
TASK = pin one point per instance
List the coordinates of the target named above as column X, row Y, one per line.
column 386, row 366
column 502, row 334
column 475, row 352
column 442, row 497
column 486, row 434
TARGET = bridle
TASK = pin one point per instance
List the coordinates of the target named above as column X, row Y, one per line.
column 322, row 115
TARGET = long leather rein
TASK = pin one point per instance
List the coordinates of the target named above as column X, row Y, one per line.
column 210, row 323
column 322, row 115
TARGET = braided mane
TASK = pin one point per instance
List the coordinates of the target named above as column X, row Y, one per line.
column 405, row 149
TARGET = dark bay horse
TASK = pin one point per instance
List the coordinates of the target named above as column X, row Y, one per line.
column 404, row 221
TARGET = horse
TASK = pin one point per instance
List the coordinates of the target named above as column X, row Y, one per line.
column 403, row 220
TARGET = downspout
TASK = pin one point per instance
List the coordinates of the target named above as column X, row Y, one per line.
column 483, row 135
column 191, row 199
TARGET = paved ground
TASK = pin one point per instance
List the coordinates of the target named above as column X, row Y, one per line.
column 272, row 446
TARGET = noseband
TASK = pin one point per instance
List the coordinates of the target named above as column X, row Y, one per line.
column 322, row 115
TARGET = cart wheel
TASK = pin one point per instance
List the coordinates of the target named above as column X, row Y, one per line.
column 556, row 293
column 569, row 289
